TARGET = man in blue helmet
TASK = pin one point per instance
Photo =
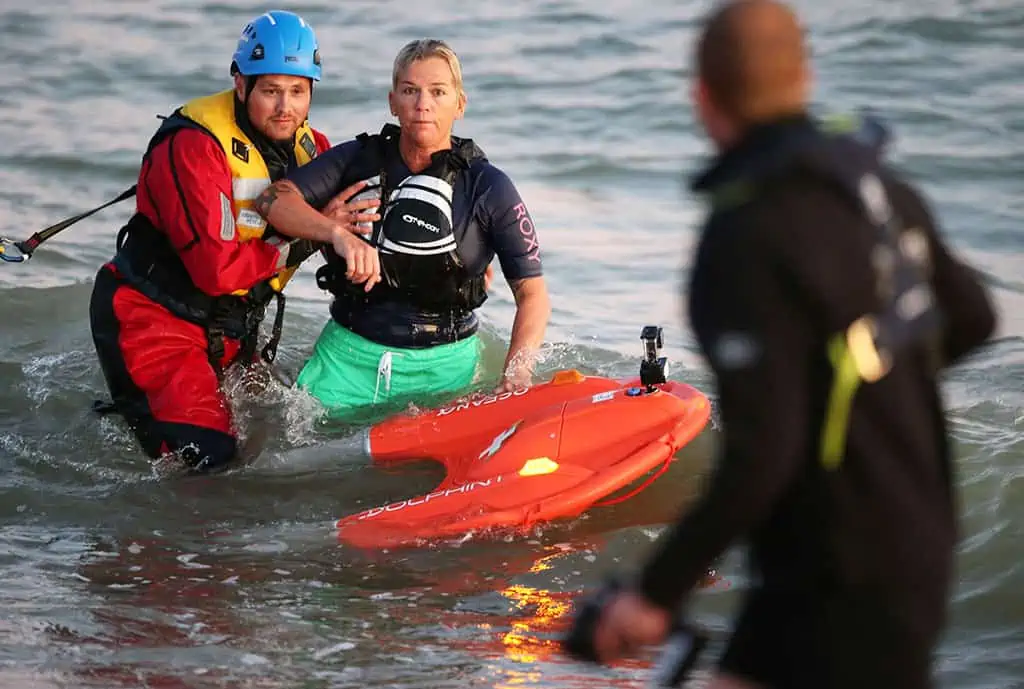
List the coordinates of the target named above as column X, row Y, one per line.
column 196, row 266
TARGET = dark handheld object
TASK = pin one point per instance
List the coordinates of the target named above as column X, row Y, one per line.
column 679, row 655
column 579, row 641
column 652, row 367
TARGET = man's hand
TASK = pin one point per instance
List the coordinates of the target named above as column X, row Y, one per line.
column 349, row 213
column 361, row 258
column 628, row 623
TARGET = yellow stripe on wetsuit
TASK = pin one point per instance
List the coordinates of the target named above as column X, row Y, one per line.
column 855, row 359
column 852, row 354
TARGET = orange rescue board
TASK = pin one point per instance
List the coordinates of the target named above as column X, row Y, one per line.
column 514, row 460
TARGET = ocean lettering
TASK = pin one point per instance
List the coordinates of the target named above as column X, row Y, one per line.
column 489, row 399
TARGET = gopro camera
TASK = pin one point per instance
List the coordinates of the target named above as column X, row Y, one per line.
column 652, row 367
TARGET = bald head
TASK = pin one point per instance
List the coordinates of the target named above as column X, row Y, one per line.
column 752, row 62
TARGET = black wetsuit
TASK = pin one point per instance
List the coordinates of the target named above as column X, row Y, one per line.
column 851, row 567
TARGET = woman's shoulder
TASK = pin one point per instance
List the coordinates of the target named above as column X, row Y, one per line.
column 484, row 173
column 489, row 177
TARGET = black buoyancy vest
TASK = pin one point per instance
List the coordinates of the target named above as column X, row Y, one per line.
column 847, row 154
column 420, row 262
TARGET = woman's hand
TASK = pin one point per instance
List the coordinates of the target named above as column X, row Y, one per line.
column 533, row 308
column 361, row 258
column 513, row 380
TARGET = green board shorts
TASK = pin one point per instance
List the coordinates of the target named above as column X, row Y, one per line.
column 356, row 379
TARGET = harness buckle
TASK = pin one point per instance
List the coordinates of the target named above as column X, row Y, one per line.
column 269, row 352
column 215, row 348
column 871, row 363
column 11, row 252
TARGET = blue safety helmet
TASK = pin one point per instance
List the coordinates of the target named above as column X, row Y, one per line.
column 277, row 42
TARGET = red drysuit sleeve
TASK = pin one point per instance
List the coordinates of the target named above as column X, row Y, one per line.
column 185, row 190
column 322, row 143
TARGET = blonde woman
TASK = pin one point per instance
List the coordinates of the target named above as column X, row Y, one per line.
column 402, row 323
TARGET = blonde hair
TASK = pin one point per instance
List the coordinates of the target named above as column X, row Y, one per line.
column 422, row 49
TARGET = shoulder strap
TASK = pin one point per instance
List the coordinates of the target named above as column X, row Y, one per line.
column 468, row 150
column 170, row 124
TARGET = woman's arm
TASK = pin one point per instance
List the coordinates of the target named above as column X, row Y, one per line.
column 533, row 309
column 514, row 240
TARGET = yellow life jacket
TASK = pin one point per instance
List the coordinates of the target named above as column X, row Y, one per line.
column 249, row 174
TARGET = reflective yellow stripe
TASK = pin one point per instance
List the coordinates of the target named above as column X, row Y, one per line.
column 244, row 190
column 845, row 382
column 841, row 123
column 248, row 188
column 854, row 359
column 283, row 247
